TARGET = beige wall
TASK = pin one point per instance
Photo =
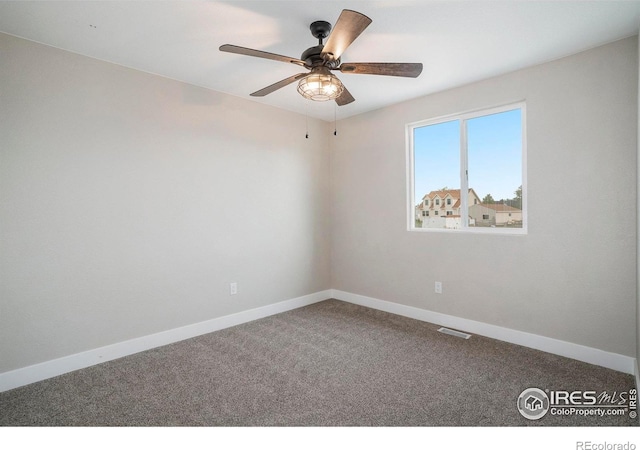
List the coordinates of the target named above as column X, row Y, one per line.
column 573, row 277
column 128, row 202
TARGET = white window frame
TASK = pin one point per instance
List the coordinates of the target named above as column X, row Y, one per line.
column 464, row 188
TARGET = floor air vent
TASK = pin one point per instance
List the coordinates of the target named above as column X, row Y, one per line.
column 459, row 334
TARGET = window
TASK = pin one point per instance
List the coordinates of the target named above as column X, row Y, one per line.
column 477, row 161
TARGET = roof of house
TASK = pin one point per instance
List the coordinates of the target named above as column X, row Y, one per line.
column 443, row 193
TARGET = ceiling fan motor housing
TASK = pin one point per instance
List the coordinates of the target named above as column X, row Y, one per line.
column 312, row 57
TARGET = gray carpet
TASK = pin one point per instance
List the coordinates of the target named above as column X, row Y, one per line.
column 328, row 364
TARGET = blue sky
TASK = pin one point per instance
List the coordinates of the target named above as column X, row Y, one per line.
column 494, row 153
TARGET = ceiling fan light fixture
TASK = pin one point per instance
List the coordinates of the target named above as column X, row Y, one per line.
column 320, row 86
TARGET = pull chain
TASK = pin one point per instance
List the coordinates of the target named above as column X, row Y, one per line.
column 306, row 117
column 335, row 127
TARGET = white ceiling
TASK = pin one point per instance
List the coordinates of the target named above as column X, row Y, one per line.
column 457, row 41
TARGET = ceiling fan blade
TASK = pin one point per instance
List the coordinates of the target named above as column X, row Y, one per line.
column 345, row 98
column 348, row 27
column 411, row 70
column 278, row 85
column 259, row 54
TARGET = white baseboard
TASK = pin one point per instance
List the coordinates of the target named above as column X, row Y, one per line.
column 590, row 355
column 48, row 369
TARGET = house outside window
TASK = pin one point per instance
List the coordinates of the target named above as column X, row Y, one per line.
column 482, row 152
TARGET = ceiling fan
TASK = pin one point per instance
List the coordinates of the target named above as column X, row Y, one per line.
column 320, row 84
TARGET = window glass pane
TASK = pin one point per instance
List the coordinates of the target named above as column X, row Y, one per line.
column 494, row 152
column 437, row 175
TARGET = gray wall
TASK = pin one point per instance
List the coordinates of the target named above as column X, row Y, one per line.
column 573, row 277
column 128, row 202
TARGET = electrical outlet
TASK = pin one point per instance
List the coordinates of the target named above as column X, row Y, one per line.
column 233, row 288
column 438, row 287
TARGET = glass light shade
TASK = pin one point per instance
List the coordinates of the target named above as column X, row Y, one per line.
column 320, row 86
